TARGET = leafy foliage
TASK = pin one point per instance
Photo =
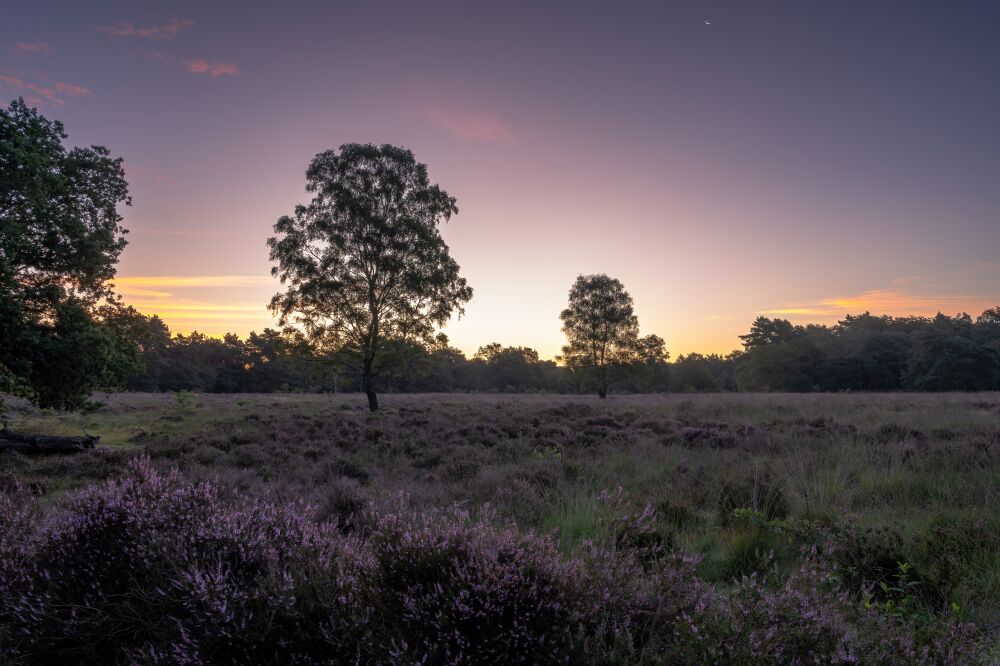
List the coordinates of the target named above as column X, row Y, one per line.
column 601, row 328
column 860, row 353
column 869, row 353
column 60, row 239
column 364, row 262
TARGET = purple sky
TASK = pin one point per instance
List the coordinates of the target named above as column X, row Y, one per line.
column 806, row 159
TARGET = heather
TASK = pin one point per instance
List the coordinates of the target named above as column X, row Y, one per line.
column 156, row 569
column 467, row 529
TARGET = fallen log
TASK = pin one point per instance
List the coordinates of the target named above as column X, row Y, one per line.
column 23, row 443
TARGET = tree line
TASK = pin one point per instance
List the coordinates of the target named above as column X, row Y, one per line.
column 859, row 353
column 367, row 282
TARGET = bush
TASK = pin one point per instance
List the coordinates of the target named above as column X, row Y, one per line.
column 153, row 569
column 453, row 591
column 762, row 492
column 869, row 556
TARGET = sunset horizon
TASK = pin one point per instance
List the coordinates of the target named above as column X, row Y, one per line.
column 648, row 156
column 218, row 319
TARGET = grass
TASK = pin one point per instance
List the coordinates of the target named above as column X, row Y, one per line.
column 925, row 466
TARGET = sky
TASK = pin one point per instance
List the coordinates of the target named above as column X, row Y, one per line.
column 724, row 160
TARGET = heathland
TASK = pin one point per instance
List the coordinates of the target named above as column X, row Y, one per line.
column 808, row 524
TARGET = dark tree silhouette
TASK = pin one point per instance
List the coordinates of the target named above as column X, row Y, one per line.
column 766, row 331
column 652, row 349
column 60, row 239
column 860, row 353
column 601, row 328
column 364, row 263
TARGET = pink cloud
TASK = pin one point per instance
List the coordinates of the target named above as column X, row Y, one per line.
column 479, row 126
column 32, row 48
column 884, row 301
column 41, row 94
column 212, row 68
column 71, row 89
column 165, row 30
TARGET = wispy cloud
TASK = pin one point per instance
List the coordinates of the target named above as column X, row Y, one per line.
column 189, row 281
column 885, row 301
column 31, row 48
column 43, row 93
column 139, row 292
column 189, row 309
column 211, row 68
column 163, row 30
column 195, row 233
column 210, row 318
column 187, row 302
column 70, row 89
column 478, row 126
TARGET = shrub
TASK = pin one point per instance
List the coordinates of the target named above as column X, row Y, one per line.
column 185, row 400
column 153, row 569
column 453, row 591
column 761, row 492
column 867, row 556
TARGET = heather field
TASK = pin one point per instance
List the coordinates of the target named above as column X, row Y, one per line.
column 446, row 528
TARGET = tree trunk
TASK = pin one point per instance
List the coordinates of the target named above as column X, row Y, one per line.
column 369, row 352
column 366, row 385
column 22, row 443
column 602, row 391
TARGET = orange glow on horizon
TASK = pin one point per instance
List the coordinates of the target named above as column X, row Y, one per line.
column 214, row 305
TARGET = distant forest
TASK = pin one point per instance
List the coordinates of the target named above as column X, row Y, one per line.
column 859, row 353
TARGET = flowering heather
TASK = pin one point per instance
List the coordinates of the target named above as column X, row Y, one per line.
column 454, row 592
column 153, row 569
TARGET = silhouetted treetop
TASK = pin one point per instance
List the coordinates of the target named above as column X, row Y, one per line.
column 364, row 262
column 600, row 326
column 60, row 238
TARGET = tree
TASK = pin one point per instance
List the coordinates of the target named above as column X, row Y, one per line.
column 601, row 328
column 509, row 368
column 60, row 238
column 152, row 338
column 652, row 350
column 692, row 373
column 776, row 367
column 944, row 361
column 766, row 331
column 364, row 263
column 989, row 318
column 652, row 372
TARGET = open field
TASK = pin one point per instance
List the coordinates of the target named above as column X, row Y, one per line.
column 902, row 490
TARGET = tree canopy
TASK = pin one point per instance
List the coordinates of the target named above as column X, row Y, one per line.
column 363, row 264
column 860, row 353
column 601, row 328
column 871, row 353
column 60, row 238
